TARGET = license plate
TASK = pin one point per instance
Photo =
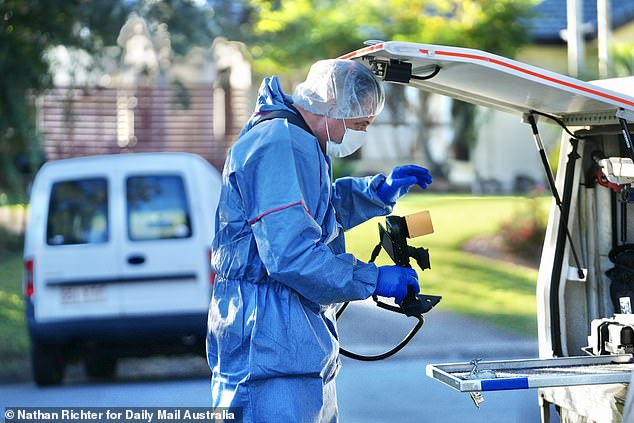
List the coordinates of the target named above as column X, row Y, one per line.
column 83, row 294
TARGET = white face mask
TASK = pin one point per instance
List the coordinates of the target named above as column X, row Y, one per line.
column 352, row 140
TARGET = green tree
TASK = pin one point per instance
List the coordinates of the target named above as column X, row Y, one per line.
column 283, row 36
column 288, row 35
column 622, row 59
column 28, row 29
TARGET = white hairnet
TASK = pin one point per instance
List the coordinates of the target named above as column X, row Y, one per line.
column 340, row 89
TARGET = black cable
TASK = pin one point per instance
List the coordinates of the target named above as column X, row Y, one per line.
column 559, row 122
column 389, row 353
column 400, row 345
column 341, row 309
column 430, row 76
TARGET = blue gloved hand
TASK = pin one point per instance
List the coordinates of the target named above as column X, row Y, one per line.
column 394, row 280
column 401, row 180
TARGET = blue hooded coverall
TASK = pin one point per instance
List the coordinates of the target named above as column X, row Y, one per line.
column 281, row 268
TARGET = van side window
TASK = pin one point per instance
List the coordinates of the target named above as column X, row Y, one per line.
column 78, row 212
column 157, row 208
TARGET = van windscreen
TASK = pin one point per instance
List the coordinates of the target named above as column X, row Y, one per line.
column 157, row 208
column 78, row 212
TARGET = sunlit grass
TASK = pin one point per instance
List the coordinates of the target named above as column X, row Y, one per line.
column 495, row 291
column 13, row 335
column 490, row 290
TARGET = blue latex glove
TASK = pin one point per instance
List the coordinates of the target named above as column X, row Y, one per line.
column 401, row 180
column 394, row 280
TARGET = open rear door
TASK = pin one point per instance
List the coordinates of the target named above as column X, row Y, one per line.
column 572, row 289
column 493, row 81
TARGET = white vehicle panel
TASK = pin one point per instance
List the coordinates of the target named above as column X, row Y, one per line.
column 500, row 83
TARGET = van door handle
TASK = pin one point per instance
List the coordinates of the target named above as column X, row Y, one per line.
column 137, row 259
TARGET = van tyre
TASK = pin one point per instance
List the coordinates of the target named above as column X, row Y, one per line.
column 47, row 364
column 100, row 367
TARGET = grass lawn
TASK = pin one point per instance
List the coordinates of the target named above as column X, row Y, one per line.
column 14, row 344
column 495, row 291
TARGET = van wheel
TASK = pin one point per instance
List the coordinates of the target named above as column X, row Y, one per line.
column 100, row 367
column 47, row 364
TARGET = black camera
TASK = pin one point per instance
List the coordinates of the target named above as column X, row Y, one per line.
column 394, row 241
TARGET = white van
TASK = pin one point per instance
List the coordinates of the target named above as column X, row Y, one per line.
column 117, row 259
column 585, row 287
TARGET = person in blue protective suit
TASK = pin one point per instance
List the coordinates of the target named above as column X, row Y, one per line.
column 278, row 253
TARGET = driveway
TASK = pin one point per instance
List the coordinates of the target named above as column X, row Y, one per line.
column 393, row 390
column 397, row 389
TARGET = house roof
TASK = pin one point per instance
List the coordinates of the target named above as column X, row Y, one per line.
column 550, row 18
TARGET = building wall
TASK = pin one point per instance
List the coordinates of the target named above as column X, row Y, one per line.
column 494, row 157
column 80, row 122
column 506, row 151
column 148, row 99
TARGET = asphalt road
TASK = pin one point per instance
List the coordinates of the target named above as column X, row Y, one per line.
column 395, row 390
